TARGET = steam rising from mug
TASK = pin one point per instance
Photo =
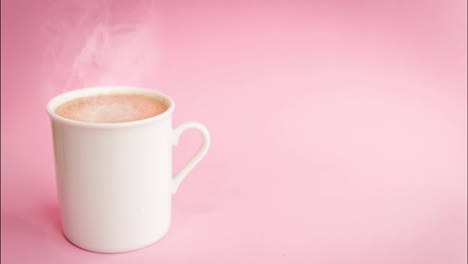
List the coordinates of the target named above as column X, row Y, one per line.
column 97, row 43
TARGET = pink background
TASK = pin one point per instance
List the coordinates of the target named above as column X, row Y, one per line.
column 338, row 127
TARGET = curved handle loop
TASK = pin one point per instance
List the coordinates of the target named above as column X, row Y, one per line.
column 179, row 177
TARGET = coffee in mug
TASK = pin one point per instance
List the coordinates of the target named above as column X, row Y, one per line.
column 111, row 108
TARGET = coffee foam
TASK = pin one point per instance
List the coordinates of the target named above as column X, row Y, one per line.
column 112, row 108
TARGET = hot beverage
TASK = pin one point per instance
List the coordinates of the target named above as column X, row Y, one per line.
column 111, row 108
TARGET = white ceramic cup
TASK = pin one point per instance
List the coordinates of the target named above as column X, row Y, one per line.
column 115, row 180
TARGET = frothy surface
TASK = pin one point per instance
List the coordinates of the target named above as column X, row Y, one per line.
column 111, row 108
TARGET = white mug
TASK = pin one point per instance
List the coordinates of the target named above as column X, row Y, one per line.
column 114, row 180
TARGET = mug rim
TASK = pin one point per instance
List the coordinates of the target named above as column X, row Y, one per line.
column 100, row 90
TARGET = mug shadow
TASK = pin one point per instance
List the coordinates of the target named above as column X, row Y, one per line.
column 40, row 232
column 52, row 219
column 39, row 227
column 45, row 221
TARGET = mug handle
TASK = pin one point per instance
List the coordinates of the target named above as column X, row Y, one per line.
column 179, row 177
